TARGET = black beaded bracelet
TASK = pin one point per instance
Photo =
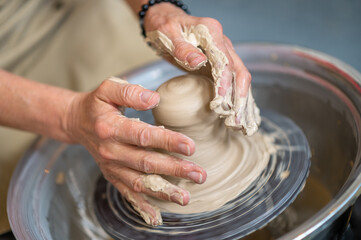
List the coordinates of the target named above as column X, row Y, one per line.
column 145, row 8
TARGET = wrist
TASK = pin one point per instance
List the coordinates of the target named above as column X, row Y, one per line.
column 164, row 8
column 153, row 10
column 68, row 118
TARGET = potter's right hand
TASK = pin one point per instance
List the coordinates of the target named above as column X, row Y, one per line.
column 121, row 146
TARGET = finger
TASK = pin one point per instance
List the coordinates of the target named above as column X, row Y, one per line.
column 152, row 185
column 121, row 93
column 225, row 82
column 150, row 214
column 138, row 133
column 153, row 162
column 243, row 77
column 245, row 116
column 185, row 52
column 213, row 46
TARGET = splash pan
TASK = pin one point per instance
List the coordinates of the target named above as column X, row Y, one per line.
column 52, row 192
column 276, row 187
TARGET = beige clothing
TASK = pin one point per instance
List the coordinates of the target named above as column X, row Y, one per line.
column 76, row 46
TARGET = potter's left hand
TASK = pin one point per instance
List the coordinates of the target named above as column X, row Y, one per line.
column 191, row 42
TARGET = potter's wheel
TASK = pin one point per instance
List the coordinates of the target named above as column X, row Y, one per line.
column 51, row 195
column 263, row 200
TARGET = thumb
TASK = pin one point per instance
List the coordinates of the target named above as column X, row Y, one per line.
column 121, row 93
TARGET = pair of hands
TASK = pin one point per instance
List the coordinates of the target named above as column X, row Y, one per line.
column 121, row 145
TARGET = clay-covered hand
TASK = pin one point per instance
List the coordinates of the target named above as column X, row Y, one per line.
column 122, row 146
column 191, row 42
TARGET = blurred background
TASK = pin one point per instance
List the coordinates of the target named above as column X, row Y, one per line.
column 329, row 26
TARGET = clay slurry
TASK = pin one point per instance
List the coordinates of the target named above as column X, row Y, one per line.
column 232, row 161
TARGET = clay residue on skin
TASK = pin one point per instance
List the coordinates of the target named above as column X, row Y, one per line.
column 158, row 184
column 246, row 116
column 117, row 80
column 232, row 161
column 153, row 221
column 155, row 183
column 199, row 36
column 163, row 45
column 240, row 113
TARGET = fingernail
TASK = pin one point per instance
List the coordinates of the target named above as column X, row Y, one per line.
column 177, row 197
column 185, row 149
column 195, row 59
column 196, row 177
column 147, row 96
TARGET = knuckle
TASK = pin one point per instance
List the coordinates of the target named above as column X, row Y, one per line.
column 248, row 76
column 145, row 164
column 144, row 137
column 182, row 49
column 103, row 87
column 169, row 25
column 169, row 143
column 137, row 184
column 163, row 196
column 156, row 22
column 177, row 169
column 102, row 129
column 104, row 153
column 215, row 24
column 128, row 92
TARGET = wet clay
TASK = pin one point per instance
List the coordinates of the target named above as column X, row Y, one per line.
column 241, row 112
column 232, row 161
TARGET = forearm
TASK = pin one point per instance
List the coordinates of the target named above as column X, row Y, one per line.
column 33, row 106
